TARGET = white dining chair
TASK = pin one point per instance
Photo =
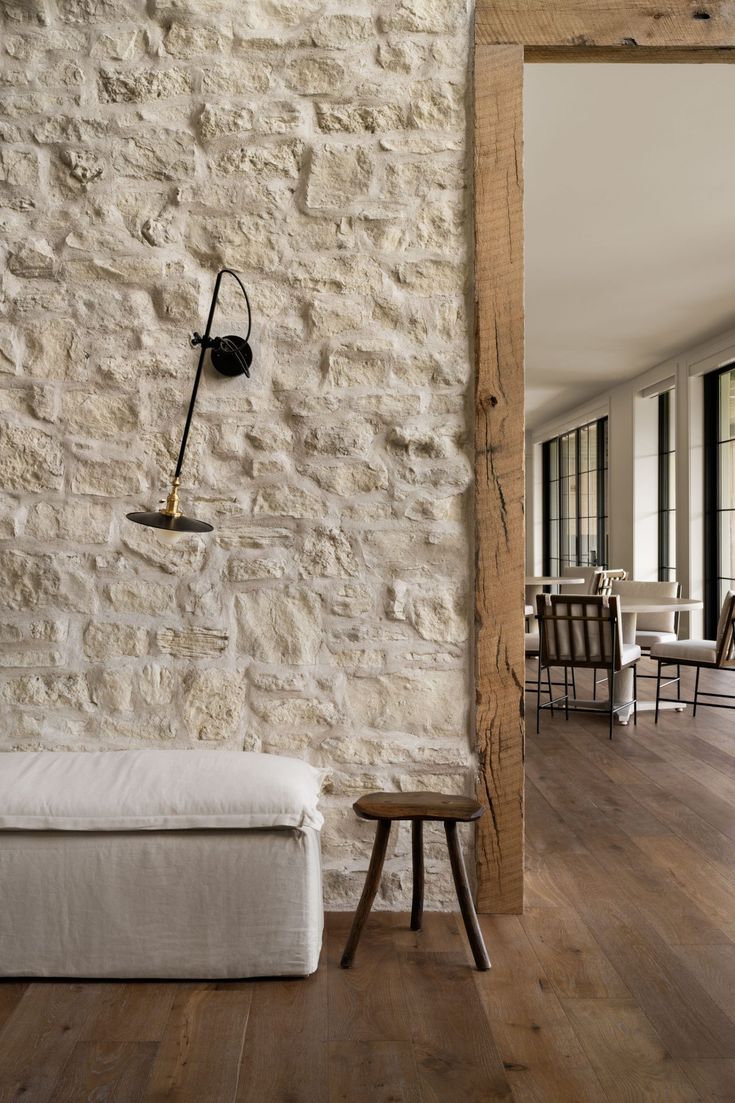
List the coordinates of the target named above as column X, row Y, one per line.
column 584, row 632
column 716, row 654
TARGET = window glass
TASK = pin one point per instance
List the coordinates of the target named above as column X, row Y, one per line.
column 575, row 497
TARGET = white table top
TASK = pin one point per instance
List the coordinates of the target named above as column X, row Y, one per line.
column 658, row 604
column 553, row 580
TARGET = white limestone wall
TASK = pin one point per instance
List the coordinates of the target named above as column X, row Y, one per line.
column 318, row 146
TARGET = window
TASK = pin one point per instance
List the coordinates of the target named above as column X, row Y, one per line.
column 719, row 492
column 666, row 487
column 575, row 498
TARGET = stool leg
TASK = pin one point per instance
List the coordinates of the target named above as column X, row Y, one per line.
column 368, row 893
column 417, row 851
column 469, row 915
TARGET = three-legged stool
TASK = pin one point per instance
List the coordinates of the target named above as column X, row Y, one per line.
column 417, row 807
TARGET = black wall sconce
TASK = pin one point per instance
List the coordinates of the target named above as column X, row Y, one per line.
column 230, row 356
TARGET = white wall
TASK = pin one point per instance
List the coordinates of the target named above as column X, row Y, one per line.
column 632, row 427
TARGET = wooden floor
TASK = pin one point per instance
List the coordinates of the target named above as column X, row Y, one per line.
column 618, row 983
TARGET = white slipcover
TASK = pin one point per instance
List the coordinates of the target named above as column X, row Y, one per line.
column 153, row 790
column 152, row 863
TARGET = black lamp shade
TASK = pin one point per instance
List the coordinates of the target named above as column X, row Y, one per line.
column 180, row 523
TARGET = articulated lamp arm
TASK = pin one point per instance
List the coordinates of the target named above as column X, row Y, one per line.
column 231, row 356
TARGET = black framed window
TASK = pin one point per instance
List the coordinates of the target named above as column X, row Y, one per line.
column 575, row 498
column 666, row 487
column 719, row 491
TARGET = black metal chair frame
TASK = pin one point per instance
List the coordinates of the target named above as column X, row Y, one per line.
column 726, row 647
column 610, row 620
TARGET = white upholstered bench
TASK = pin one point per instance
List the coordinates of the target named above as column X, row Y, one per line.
column 151, row 863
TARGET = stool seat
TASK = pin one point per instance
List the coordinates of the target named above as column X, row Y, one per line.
column 417, row 806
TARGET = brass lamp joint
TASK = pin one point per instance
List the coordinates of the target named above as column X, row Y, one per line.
column 172, row 508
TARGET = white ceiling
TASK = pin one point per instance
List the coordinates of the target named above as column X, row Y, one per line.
column 630, row 222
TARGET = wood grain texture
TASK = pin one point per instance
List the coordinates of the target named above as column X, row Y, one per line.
column 455, row 1053
column 296, row 1010
column 373, row 1072
column 499, row 475
column 683, row 23
column 421, row 806
column 105, row 1072
column 199, row 1055
column 38, row 1038
column 639, row 55
column 626, row 1053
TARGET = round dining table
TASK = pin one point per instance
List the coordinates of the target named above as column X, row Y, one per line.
column 630, row 607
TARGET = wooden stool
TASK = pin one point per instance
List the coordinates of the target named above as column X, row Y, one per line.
column 417, row 807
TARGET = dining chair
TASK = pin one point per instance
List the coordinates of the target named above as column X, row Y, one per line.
column 590, row 576
column 651, row 628
column 608, row 576
column 716, row 654
column 584, row 632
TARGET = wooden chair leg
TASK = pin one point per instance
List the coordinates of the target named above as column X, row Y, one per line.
column 469, row 915
column 417, row 853
column 368, row 893
column 696, row 691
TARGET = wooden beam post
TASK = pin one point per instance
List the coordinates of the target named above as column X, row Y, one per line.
column 499, row 474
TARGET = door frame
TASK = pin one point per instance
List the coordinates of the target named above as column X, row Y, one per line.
column 508, row 34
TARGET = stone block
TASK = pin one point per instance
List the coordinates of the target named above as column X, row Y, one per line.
column 68, row 691
column 297, row 712
column 34, row 260
column 111, row 690
column 327, row 553
column 76, row 521
column 337, row 177
column 104, row 641
column 430, row 701
column 184, row 555
column 84, row 166
column 192, row 642
column 288, row 501
column 346, row 478
column 236, row 79
column 221, row 122
column 254, row 569
column 213, row 704
column 186, row 40
column 107, row 478
column 425, row 16
column 142, row 85
column 141, row 595
column 351, row 600
column 167, row 155
column 19, row 167
column 330, row 315
column 94, row 414
column 350, row 118
column 351, row 439
column 341, row 30
column 282, row 625
column 312, row 75
column 30, row 459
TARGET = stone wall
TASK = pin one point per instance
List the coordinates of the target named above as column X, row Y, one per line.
column 319, row 147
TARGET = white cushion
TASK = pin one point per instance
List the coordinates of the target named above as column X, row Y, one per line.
column 630, row 654
column 648, row 639
column 153, row 790
column 698, row 651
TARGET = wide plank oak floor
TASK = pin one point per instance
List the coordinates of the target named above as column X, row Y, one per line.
column 616, row 985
